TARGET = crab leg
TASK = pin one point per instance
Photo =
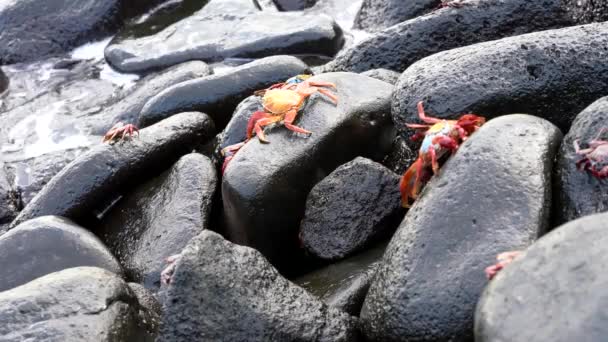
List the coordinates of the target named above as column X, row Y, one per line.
column 434, row 163
column 265, row 122
column 322, row 84
column 290, row 116
column 425, row 118
column 255, row 117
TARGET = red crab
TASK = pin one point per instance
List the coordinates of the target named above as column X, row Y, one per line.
column 281, row 103
column 120, row 129
column 503, row 259
column 448, row 3
column 595, row 157
column 439, row 137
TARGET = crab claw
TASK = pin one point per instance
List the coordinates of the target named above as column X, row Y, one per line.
column 503, row 259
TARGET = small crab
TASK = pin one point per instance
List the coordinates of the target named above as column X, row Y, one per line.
column 167, row 273
column 595, row 157
column 439, row 137
column 450, row 3
column 120, row 130
column 281, row 102
column 503, row 260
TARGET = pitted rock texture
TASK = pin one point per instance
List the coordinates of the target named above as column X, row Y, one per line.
column 493, row 196
column 375, row 15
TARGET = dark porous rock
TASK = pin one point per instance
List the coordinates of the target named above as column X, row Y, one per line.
column 10, row 202
column 399, row 46
column 493, row 196
column 550, row 292
column 356, row 205
column 32, row 29
column 553, row 74
column 127, row 109
column 385, row 75
column 158, row 218
column 343, row 285
column 3, row 81
column 400, row 157
column 150, row 309
column 586, row 11
column 224, row 292
column 579, row 193
column 211, row 35
column 76, row 304
column 107, row 170
column 49, row 244
column 265, row 186
column 378, row 14
column 294, row 5
column 218, row 95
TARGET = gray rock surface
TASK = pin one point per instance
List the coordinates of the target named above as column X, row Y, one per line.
column 385, row 75
column 493, row 196
column 375, row 15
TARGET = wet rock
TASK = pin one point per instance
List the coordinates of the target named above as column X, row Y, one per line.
column 294, row 5
column 493, row 196
column 356, row 205
column 77, row 304
column 552, row 74
column 3, row 81
column 375, row 15
column 107, row 170
column 343, row 285
column 211, row 35
column 236, row 129
column 224, row 292
column 158, row 218
column 10, row 203
column 265, row 186
column 49, row 244
column 579, row 193
column 150, row 309
column 400, row 157
column 399, row 46
column 385, row 75
column 587, row 11
column 218, row 95
column 59, row 25
column 127, row 109
column 553, row 284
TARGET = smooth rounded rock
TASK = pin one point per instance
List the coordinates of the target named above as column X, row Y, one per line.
column 158, row 218
column 106, row 170
column 385, row 75
column 128, row 108
column 356, row 205
column 578, row 192
column 265, row 186
column 493, row 195
column 552, row 291
column 399, row 46
column 49, row 244
column 224, row 292
column 76, row 304
column 552, row 74
column 211, row 35
column 375, row 15
column 218, row 95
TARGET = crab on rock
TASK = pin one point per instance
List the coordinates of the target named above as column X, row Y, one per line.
column 438, row 138
column 120, row 130
column 281, row 102
column 503, row 259
column 595, row 157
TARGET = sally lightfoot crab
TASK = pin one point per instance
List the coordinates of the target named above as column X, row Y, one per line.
column 438, row 138
column 120, row 130
column 595, row 157
column 503, row 259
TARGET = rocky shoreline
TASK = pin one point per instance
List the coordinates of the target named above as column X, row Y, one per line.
column 154, row 236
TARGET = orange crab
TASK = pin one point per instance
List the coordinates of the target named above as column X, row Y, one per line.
column 120, row 130
column 281, row 102
column 439, row 137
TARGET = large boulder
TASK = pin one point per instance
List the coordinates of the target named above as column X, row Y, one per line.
column 128, row 108
column 265, row 186
column 225, row 292
column 48, row 244
column 76, row 304
column 218, row 95
column 106, row 170
column 344, row 284
column 493, row 196
column 210, row 35
column 553, row 74
column 379, row 14
column 399, row 46
column 356, row 205
column 578, row 192
column 32, row 29
column 158, row 218
column 552, row 291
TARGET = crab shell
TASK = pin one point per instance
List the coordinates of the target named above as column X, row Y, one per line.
column 279, row 101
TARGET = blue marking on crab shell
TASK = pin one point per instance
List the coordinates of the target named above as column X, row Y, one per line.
column 295, row 80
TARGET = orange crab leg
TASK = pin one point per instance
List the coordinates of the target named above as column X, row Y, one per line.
column 265, row 122
column 425, row 118
column 405, row 184
column 253, row 119
column 321, row 84
column 290, row 116
column 434, row 163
